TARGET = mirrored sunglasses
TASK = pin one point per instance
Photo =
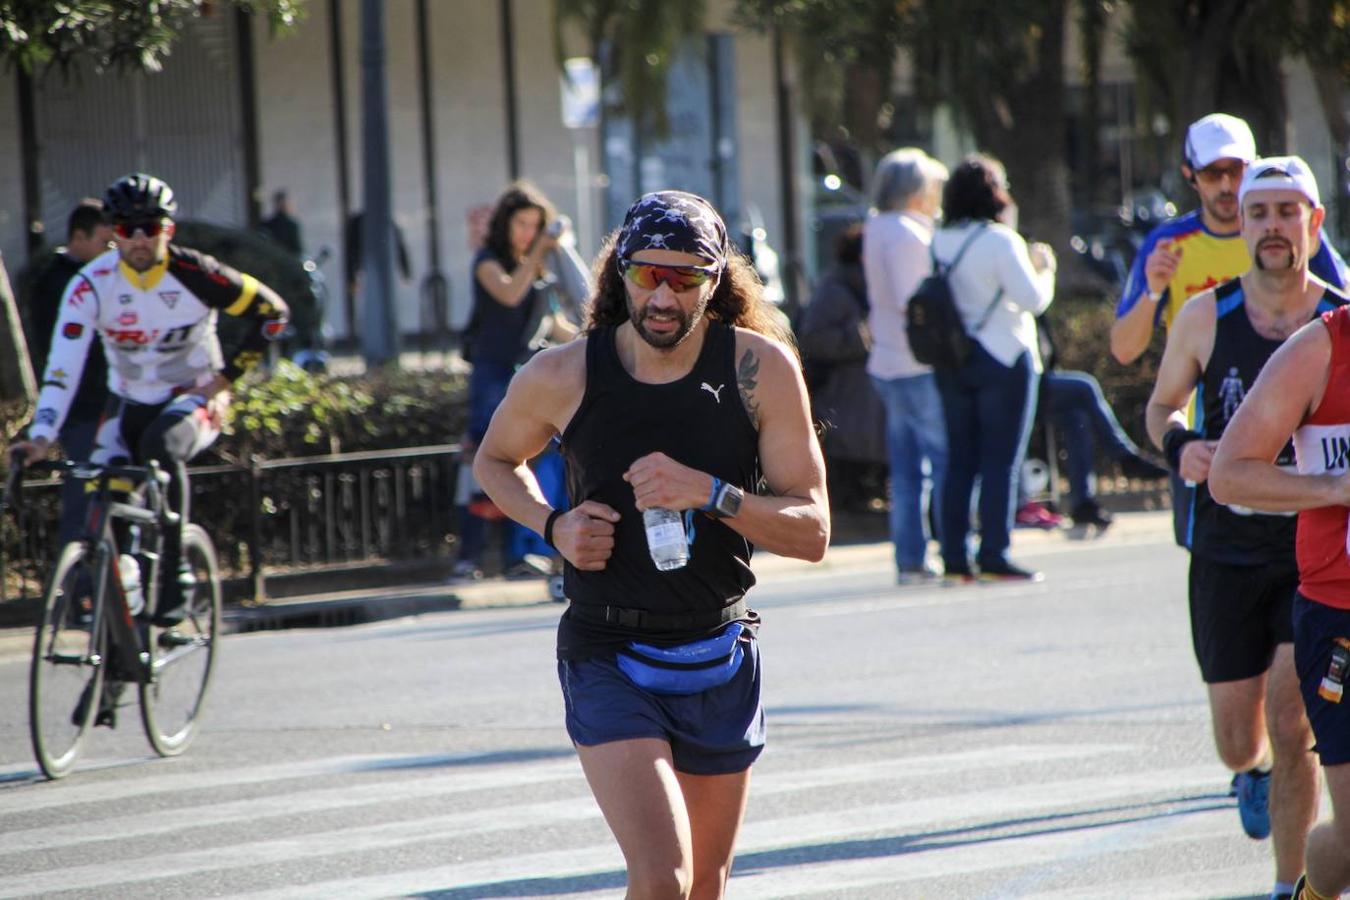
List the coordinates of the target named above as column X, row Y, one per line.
column 649, row 276
column 148, row 227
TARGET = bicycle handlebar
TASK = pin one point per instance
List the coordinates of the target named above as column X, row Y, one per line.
column 84, row 470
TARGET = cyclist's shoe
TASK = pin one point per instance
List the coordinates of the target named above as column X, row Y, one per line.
column 174, row 595
column 107, row 707
column 1253, row 801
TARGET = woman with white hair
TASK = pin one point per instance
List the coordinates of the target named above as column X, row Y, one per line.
column 906, row 196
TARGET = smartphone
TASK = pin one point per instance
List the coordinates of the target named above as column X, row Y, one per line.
column 554, row 228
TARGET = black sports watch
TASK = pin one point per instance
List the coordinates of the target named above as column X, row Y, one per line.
column 727, row 501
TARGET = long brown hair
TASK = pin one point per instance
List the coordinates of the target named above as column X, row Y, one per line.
column 737, row 301
column 521, row 194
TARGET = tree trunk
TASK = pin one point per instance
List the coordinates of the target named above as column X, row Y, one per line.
column 17, row 384
column 1025, row 129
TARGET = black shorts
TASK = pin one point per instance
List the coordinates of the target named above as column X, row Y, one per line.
column 1318, row 628
column 1238, row 616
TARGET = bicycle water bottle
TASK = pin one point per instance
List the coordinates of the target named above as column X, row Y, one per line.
column 130, row 571
column 665, row 538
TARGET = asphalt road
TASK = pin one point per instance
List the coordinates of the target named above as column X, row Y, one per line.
column 1046, row 740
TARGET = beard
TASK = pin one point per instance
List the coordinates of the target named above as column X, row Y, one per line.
column 662, row 340
column 1217, row 213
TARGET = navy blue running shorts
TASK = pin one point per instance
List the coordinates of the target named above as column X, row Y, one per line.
column 716, row 732
column 1316, row 628
column 1239, row 614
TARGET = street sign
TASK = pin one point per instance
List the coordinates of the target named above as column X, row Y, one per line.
column 580, row 93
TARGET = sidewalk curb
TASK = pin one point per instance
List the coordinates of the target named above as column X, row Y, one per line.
column 358, row 607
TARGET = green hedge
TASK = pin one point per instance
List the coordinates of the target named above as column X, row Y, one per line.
column 295, row 413
column 289, row 412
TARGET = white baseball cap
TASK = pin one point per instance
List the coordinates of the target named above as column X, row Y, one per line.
column 1219, row 136
column 1280, row 173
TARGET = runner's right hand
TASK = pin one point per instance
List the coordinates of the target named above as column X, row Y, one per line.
column 1196, row 458
column 1161, row 265
column 585, row 535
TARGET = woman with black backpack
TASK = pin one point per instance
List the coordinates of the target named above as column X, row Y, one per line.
column 999, row 287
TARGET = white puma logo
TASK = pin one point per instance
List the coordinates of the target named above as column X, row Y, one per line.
column 717, row 394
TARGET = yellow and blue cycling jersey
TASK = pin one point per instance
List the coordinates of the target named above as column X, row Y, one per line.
column 1207, row 260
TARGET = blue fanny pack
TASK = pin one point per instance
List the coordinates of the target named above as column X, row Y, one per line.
column 685, row 668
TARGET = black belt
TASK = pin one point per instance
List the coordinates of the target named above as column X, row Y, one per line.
column 653, row 621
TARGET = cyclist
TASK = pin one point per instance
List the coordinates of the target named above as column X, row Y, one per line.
column 154, row 305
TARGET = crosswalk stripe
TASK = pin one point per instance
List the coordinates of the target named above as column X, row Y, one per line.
column 776, row 832
column 432, row 784
column 814, row 876
column 155, row 780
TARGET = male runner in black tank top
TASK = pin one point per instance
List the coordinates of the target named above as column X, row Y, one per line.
column 681, row 395
column 1243, row 571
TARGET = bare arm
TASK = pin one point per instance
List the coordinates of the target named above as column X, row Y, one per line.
column 794, row 521
column 1189, row 345
column 1288, row 389
column 540, row 400
column 510, row 289
column 1131, row 333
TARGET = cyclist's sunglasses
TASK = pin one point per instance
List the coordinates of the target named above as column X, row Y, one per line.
column 148, row 227
column 649, row 276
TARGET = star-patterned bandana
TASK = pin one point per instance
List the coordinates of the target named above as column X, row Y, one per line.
column 674, row 220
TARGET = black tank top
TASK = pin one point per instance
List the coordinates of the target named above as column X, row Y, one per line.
column 1228, row 534
column 699, row 421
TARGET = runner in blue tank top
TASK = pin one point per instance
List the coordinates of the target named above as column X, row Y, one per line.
column 683, row 395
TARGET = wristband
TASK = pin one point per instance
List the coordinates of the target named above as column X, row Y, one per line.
column 548, row 527
column 1156, row 298
column 1174, row 441
column 712, row 498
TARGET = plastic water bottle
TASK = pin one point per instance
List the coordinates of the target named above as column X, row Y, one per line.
column 665, row 538
column 130, row 570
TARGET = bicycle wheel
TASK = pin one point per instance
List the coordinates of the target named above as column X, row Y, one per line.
column 183, row 656
column 65, row 682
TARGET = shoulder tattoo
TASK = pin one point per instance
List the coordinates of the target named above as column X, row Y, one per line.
column 747, row 378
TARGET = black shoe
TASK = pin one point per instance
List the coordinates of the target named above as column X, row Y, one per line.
column 107, row 705
column 1089, row 513
column 1135, row 466
column 1006, row 571
column 174, row 595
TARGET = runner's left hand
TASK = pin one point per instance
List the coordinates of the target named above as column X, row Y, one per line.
column 659, row 481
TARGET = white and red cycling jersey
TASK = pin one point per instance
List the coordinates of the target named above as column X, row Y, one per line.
column 158, row 329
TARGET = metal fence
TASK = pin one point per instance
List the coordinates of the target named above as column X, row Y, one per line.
column 281, row 516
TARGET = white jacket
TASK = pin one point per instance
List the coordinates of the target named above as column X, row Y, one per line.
column 995, row 260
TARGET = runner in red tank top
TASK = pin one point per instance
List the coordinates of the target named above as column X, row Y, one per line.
column 1304, row 391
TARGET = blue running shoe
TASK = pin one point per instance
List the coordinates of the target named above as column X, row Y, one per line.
column 1253, row 800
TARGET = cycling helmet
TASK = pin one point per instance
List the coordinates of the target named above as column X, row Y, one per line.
column 140, row 196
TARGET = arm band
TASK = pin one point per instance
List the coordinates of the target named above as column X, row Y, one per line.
column 1174, row 441
column 548, row 527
